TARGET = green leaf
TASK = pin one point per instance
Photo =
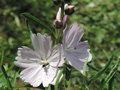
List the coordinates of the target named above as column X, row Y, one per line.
column 14, row 78
column 36, row 20
column 93, row 68
column 110, row 84
column 29, row 28
column 58, row 79
column 110, row 75
column 100, row 72
column 6, row 77
column 85, row 67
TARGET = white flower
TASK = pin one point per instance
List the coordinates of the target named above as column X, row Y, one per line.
column 41, row 64
column 76, row 52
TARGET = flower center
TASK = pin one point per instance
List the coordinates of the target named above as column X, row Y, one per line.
column 68, row 49
column 44, row 63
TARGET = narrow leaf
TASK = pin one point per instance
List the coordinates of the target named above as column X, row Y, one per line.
column 100, row 72
column 36, row 20
column 14, row 78
column 110, row 75
column 93, row 68
column 29, row 28
column 6, row 77
column 58, row 79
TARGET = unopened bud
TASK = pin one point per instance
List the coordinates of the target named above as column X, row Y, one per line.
column 58, row 16
column 65, row 19
column 57, row 2
column 58, row 23
column 69, row 9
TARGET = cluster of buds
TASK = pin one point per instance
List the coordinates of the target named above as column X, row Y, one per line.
column 68, row 10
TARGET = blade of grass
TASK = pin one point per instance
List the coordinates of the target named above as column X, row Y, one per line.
column 85, row 67
column 29, row 28
column 7, row 78
column 10, row 68
column 100, row 72
column 110, row 84
column 36, row 20
column 106, row 54
column 92, row 67
column 58, row 79
column 14, row 78
column 110, row 75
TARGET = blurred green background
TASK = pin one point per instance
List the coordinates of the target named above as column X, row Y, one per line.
column 99, row 18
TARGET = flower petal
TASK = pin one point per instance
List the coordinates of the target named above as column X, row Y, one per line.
column 27, row 53
column 57, row 58
column 55, row 78
column 32, row 75
column 26, row 57
column 49, row 74
column 73, row 35
column 24, row 65
column 42, row 44
column 75, row 62
column 82, row 51
column 76, row 52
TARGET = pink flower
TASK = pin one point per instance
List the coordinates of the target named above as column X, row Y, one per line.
column 41, row 64
column 76, row 52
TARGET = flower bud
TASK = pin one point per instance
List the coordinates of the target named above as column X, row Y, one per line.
column 65, row 19
column 69, row 9
column 58, row 23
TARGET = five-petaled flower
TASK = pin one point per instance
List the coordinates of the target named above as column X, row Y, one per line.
column 41, row 64
column 76, row 52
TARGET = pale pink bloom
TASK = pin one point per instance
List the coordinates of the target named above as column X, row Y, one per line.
column 41, row 64
column 76, row 52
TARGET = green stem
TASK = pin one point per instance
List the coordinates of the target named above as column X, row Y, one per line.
column 2, row 56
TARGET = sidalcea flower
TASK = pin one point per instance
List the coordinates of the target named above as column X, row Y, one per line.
column 76, row 52
column 41, row 64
